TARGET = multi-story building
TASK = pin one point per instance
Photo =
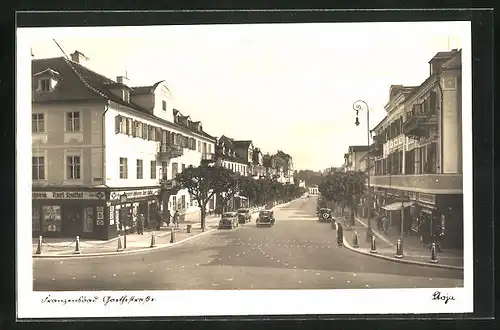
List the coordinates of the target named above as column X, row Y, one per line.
column 283, row 164
column 230, row 154
column 102, row 150
column 257, row 167
column 419, row 167
column 352, row 159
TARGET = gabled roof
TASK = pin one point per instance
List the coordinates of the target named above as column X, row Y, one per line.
column 79, row 83
column 358, row 148
column 454, row 63
column 243, row 144
column 444, row 55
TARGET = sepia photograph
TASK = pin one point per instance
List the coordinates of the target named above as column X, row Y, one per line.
column 248, row 169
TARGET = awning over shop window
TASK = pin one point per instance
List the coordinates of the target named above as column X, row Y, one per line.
column 240, row 197
column 397, row 206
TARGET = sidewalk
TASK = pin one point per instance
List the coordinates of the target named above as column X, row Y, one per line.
column 53, row 247
column 413, row 249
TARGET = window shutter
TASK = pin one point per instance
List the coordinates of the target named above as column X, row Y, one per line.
column 159, row 134
column 433, row 102
column 118, row 124
column 127, row 126
column 134, row 128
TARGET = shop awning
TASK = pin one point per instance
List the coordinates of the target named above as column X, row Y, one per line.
column 240, row 197
column 397, row 206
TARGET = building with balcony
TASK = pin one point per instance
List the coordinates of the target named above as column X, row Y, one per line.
column 232, row 155
column 418, row 163
column 283, row 165
column 352, row 159
column 104, row 152
column 257, row 167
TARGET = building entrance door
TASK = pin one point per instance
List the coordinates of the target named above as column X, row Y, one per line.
column 72, row 221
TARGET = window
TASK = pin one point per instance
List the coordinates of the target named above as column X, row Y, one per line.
column 183, row 167
column 123, row 168
column 174, row 202
column 153, row 169
column 175, row 170
column 204, row 147
column 126, row 96
column 144, row 131
column 164, row 105
column 137, row 129
column 183, row 201
column 73, row 163
column 45, row 85
column 209, row 148
column 38, row 172
column 51, row 218
column 199, row 146
column 119, row 124
column 37, row 123
column 73, row 121
column 139, row 169
column 164, row 169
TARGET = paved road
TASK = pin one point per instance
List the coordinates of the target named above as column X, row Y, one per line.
column 297, row 253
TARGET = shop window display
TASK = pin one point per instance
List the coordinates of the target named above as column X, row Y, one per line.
column 88, row 223
column 51, row 216
column 35, row 224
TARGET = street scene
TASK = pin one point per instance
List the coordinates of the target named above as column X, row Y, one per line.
column 242, row 159
column 298, row 252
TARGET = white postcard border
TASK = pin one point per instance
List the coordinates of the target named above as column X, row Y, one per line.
column 198, row 303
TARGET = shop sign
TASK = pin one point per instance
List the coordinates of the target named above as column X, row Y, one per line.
column 96, row 195
column 427, row 198
column 115, row 195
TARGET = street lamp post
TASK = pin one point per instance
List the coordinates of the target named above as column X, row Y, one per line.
column 358, row 106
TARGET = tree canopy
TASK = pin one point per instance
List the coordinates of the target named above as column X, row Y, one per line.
column 343, row 187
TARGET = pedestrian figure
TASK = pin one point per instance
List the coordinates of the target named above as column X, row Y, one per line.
column 176, row 218
column 140, row 224
column 340, row 235
column 168, row 217
column 158, row 218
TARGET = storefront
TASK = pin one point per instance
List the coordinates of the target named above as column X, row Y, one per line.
column 124, row 206
column 91, row 213
column 68, row 213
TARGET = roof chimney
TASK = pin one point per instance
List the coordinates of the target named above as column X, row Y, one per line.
column 121, row 80
column 79, row 58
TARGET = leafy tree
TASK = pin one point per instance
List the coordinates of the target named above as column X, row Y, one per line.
column 343, row 188
column 203, row 182
column 249, row 188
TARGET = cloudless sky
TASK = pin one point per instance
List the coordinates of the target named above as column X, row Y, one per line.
column 286, row 87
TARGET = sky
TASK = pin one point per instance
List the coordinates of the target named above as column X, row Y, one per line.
column 288, row 87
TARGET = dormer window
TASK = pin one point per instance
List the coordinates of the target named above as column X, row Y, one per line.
column 164, row 105
column 45, row 85
column 126, row 96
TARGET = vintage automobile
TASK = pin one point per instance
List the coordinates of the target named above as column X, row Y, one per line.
column 229, row 220
column 266, row 218
column 325, row 214
column 244, row 215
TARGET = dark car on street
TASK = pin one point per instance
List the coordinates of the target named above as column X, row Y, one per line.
column 266, row 218
column 229, row 220
column 244, row 215
column 325, row 214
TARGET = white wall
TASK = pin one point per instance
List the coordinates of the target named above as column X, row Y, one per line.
column 132, row 148
column 162, row 93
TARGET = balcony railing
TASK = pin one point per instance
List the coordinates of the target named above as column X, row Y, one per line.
column 427, row 183
column 169, row 151
column 208, row 157
column 418, row 125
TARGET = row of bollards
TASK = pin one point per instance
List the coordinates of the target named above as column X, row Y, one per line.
column 399, row 248
column 120, row 246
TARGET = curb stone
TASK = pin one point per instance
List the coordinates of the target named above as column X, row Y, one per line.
column 403, row 261
column 106, row 254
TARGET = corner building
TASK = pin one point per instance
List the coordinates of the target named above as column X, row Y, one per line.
column 418, row 166
column 104, row 152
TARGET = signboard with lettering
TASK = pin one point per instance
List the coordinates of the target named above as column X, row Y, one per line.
column 115, row 195
column 427, row 198
column 96, row 195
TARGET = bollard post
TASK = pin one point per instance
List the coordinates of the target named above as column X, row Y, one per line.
column 153, row 240
column 188, row 229
column 172, row 235
column 77, row 246
column 39, row 247
column 399, row 249
column 373, row 247
column 120, row 247
column 355, row 242
column 433, row 254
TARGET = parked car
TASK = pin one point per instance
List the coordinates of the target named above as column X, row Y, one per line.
column 244, row 215
column 325, row 214
column 229, row 220
column 266, row 218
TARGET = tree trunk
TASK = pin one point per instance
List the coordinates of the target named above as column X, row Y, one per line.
column 203, row 215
